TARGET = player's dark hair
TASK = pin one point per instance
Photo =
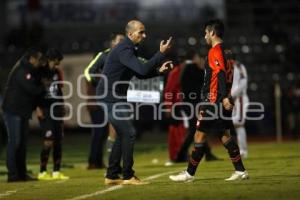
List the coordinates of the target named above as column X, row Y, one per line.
column 113, row 36
column 43, row 60
column 217, row 26
column 32, row 52
column 53, row 54
column 190, row 54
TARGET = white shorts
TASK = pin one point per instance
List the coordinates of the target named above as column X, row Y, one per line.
column 239, row 110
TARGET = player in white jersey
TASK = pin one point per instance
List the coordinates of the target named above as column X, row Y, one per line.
column 241, row 101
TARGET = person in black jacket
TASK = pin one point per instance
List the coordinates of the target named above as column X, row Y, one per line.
column 22, row 89
column 121, row 65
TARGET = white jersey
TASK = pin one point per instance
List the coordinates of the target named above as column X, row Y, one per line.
column 239, row 93
column 240, row 80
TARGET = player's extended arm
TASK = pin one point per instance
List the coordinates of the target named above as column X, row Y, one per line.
column 219, row 65
column 94, row 68
column 222, row 84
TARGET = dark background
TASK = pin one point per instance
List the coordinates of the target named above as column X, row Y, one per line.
column 264, row 34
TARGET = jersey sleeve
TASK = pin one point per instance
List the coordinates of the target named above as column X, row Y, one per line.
column 219, row 64
column 93, row 68
column 219, row 61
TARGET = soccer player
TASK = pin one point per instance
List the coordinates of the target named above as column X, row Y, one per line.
column 215, row 114
column 52, row 129
column 99, row 134
column 241, row 100
column 121, row 65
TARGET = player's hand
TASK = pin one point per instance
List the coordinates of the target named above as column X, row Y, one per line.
column 39, row 114
column 166, row 67
column 46, row 82
column 165, row 45
column 65, row 110
column 226, row 103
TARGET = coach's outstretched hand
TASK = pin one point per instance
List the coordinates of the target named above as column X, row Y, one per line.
column 39, row 113
column 166, row 67
column 165, row 46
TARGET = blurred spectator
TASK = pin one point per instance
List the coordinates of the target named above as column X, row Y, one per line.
column 2, row 129
column 99, row 134
column 177, row 129
column 241, row 100
column 292, row 110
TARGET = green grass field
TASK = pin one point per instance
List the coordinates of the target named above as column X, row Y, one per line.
column 274, row 174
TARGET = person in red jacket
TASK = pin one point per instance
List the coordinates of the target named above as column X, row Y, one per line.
column 177, row 128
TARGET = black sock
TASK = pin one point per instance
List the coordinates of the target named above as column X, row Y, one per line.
column 195, row 158
column 234, row 154
column 207, row 149
column 57, row 156
column 44, row 158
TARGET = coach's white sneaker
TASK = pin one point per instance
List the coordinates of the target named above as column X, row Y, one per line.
column 238, row 175
column 182, row 177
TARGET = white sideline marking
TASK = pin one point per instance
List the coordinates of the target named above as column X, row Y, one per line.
column 117, row 187
column 10, row 192
column 159, row 175
column 7, row 193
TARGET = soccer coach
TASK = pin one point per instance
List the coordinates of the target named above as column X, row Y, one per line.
column 121, row 65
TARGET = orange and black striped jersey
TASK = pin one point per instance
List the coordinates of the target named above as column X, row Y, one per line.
column 218, row 75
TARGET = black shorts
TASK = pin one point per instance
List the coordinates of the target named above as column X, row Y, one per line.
column 212, row 119
column 52, row 129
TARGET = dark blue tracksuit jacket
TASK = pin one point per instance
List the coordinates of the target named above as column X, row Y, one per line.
column 122, row 64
